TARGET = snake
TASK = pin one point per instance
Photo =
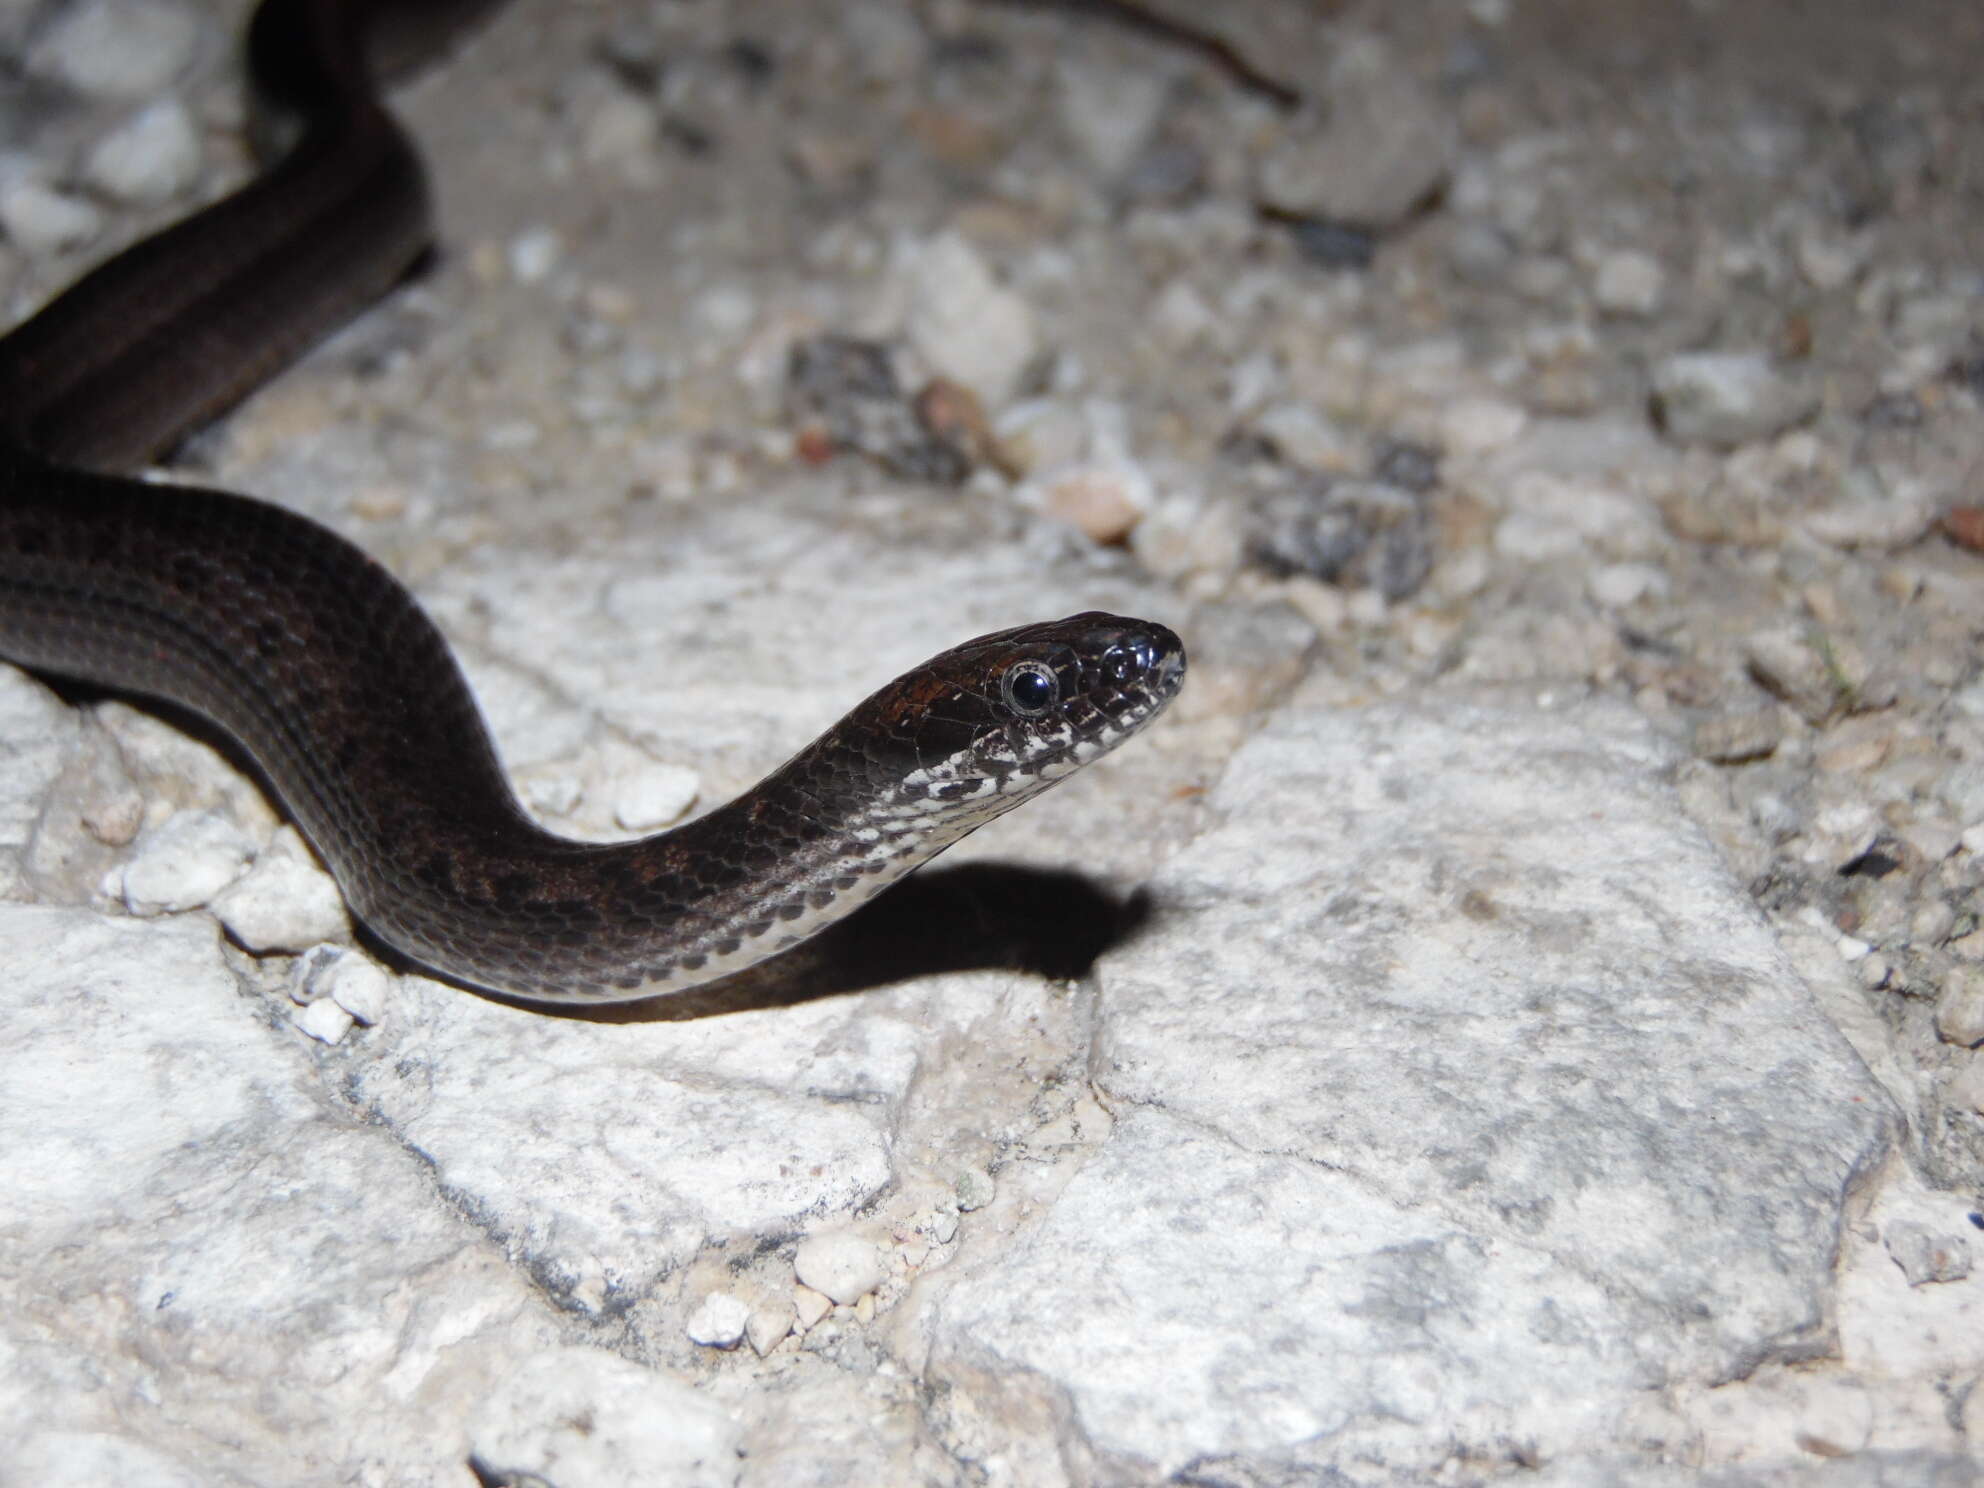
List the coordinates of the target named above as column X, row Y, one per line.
column 326, row 672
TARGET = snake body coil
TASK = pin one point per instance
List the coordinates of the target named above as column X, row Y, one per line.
column 325, row 669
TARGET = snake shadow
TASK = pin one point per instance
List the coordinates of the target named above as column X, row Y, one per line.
column 972, row 917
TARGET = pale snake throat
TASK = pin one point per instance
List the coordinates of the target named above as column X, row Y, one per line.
column 326, row 671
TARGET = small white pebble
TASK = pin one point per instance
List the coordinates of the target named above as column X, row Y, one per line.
column 184, row 862
column 656, row 796
column 1851, row 948
column 1972, row 840
column 151, row 158
column 533, row 254
column 1628, row 283
column 42, row 221
column 719, row 1321
column 808, row 1307
column 965, row 323
column 1474, row 426
column 1960, row 1009
column 286, row 902
column 621, row 131
column 840, row 1264
column 767, row 1327
column 944, row 1227
column 360, row 986
column 323, row 1020
column 1618, row 586
column 552, row 795
column 115, row 817
column 118, row 48
column 974, row 1188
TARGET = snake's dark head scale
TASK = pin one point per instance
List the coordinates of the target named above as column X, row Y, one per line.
column 1002, row 717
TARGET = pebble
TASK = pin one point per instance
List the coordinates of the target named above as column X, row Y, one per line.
column 117, row 48
column 621, row 131
column 1381, row 148
column 656, row 796
column 1103, row 500
column 1966, row 1091
column 115, row 817
column 808, row 1307
column 1041, row 433
column 767, row 1327
column 944, row 1226
column 1628, row 282
column 1925, row 1256
column 1364, row 535
column 43, row 222
column 965, row 323
column 1726, row 398
column 1786, row 661
column 974, row 1188
column 323, row 1020
column 184, row 862
column 1181, row 318
column 354, row 982
column 533, row 254
column 1882, row 526
column 152, row 158
column 1305, row 437
column 1617, row 586
column 1934, row 921
column 1109, row 112
column 1960, row 1008
column 284, row 903
column 840, row 1264
column 1475, row 426
column 1732, row 738
column 720, row 1321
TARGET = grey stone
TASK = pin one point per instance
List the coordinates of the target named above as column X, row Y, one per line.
column 1727, row 398
column 1380, row 147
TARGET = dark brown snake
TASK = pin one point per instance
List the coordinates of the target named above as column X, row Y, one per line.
column 325, row 669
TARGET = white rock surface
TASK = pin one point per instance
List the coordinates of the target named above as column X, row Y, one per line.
column 228, row 1228
column 37, row 735
column 1385, row 946
column 584, row 1418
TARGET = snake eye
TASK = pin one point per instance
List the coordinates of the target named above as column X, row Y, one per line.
column 1030, row 688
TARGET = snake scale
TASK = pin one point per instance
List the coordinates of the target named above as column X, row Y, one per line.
column 325, row 669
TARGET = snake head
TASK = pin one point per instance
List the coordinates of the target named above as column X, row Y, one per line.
column 983, row 726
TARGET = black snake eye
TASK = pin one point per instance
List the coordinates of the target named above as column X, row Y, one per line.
column 1030, row 688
